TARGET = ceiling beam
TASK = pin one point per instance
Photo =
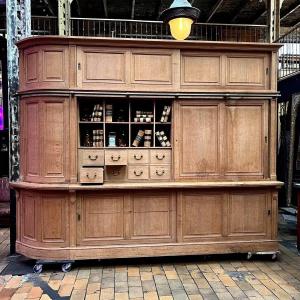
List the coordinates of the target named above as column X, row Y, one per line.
column 132, row 9
column 290, row 12
column 263, row 14
column 158, row 9
column 104, row 2
column 49, row 6
column 214, row 9
column 238, row 10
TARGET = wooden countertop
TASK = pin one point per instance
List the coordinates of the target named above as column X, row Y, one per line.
column 146, row 185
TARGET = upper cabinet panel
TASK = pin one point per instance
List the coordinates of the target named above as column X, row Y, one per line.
column 45, row 67
column 248, row 71
column 151, row 68
column 101, row 67
column 115, row 65
column 125, row 69
column 201, row 70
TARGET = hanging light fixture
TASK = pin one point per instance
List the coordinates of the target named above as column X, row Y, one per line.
column 180, row 16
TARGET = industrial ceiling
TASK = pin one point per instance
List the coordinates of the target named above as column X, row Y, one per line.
column 213, row 11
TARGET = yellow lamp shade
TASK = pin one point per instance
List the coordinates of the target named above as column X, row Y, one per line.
column 180, row 28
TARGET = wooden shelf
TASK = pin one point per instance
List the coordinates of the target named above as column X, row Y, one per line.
column 90, row 122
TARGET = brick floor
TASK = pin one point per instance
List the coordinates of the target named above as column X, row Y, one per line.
column 217, row 277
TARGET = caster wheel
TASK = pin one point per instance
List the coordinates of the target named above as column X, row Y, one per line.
column 274, row 256
column 249, row 255
column 38, row 268
column 66, row 267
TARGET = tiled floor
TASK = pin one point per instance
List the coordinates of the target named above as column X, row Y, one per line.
column 217, row 277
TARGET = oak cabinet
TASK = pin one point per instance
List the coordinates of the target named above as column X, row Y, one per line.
column 202, row 182
column 221, row 139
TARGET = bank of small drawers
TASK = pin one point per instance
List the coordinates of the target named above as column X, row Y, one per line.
column 125, row 164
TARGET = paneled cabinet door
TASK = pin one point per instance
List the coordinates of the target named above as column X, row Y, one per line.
column 45, row 139
column 221, row 139
column 153, row 217
column 249, row 215
column 246, row 139
column 101, row 218
column 197, row 139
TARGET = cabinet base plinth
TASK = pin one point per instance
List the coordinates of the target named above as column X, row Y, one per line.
column 128, row 251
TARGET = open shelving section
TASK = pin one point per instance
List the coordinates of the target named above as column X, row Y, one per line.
column 122, row 120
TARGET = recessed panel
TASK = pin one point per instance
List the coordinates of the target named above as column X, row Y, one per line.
column 244, row 153
column 32, row 139
column 53, row 218
column 29, row 216
column 31, row 67
column 54, row 125
column 199, row 142
column 245, row 71
column 102, row 217
column 201, row 215
column 247, row 214
column 54, row 65
column 104, row 66
column 152, row 68
column 151, row 215
column 201, row 70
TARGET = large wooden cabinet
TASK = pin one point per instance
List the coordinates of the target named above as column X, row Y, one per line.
column 210, row 189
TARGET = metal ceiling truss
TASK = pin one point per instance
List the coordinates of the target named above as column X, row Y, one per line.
column 18, row 24
column 64, row 16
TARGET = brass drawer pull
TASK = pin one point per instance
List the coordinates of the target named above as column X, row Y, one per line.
column 160, row 157
column 161, row 173
column 138, row 157
column 115, row 172
column 93, row 158
column 138, row 174
column 113, row 158
column 88, row 176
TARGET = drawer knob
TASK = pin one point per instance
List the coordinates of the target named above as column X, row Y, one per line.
column 88, row 176
column 93, row 157
column 160, row 157
column 138, row 173
column 115, row 158
column 138, row 157
column 116, row 172
column 160, row 172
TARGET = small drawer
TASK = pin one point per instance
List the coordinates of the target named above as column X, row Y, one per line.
column 160, row 172
column 115, row 157
column 91, row 157
column 115, row 173
column 138, row 172
column 138, row 157
column 160, row 156
column 91, row 175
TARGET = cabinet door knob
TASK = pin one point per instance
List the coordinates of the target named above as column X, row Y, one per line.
column 160, row 172
column 138, row 157
column 160, row 157
column 138, row 173
column 88, row 176
column 115, row 158
column 93, row 158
